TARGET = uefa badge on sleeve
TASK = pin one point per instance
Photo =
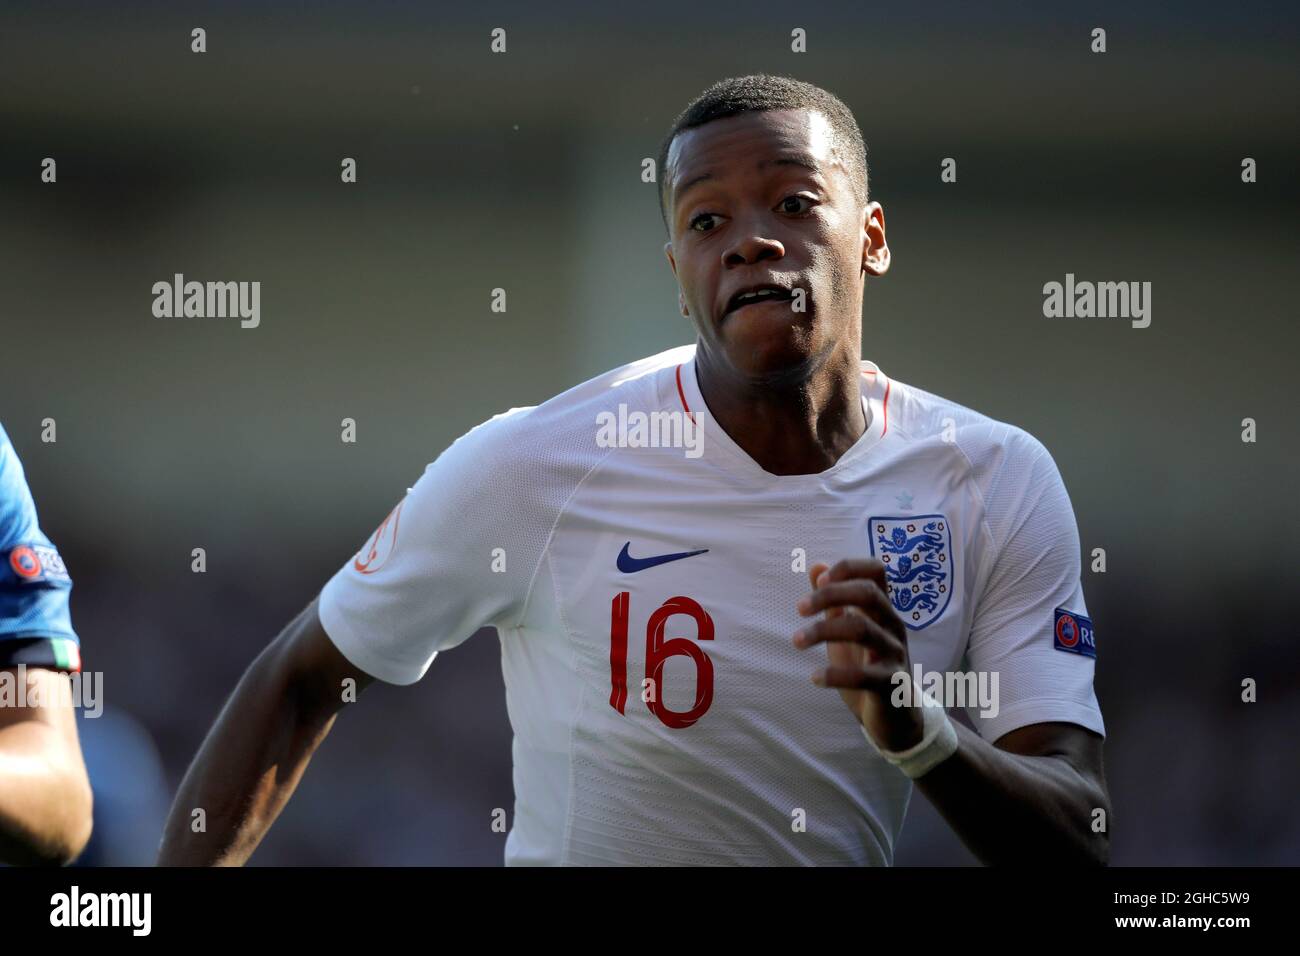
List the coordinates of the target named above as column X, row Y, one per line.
column 32, row 564
column 917, row 554
column 1073, row 633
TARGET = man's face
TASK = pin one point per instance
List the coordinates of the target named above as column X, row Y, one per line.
column 762, row 199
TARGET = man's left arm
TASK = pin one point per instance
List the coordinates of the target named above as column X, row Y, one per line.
column 1033, row 795
column 1030, row 783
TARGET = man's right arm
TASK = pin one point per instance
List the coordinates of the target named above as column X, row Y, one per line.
column 422, row 584
column 258, row 749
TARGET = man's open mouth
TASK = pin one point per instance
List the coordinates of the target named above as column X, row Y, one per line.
column 758, row 295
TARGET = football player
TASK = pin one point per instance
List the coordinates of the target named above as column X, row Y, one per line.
column 45, row 797
column 659, row 548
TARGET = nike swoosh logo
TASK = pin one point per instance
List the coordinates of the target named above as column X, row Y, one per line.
column 630, row 565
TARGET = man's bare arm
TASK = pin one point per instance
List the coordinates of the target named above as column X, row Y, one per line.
column 260, row 746
column 45, row 798
column 1031, row 796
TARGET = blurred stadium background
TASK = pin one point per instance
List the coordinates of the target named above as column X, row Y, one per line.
column 522, row 171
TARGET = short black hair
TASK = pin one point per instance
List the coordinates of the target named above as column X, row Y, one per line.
column 760, row 92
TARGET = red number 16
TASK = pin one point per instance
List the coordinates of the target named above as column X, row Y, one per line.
column 657, row 651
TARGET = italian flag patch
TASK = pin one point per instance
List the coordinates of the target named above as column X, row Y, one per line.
column 67, row 655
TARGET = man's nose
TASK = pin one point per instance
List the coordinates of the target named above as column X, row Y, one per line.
column 752, row 248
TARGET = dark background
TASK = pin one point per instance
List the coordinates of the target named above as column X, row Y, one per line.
column 522, row 171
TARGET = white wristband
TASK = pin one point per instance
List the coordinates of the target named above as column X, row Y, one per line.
column 938, row 740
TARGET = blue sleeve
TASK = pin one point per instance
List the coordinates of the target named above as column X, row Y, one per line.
column 35, row 623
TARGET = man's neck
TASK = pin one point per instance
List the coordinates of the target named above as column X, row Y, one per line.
column 798, row 428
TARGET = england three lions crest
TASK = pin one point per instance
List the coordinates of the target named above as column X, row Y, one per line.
column 917, row 554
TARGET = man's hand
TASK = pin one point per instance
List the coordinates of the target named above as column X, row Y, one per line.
column 866, row 645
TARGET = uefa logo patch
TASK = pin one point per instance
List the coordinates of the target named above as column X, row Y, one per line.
column 24, row 562
column 917, row 554
column 1073, row 633
column 37, row 562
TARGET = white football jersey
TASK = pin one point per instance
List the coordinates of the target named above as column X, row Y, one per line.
column 644, row 595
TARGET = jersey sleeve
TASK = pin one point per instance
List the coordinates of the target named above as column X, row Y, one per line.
column 1031, row 626
column 35, row 620
column 457, row 553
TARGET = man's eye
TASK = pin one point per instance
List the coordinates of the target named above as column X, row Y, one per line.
column 785, row 204
column 703, row 215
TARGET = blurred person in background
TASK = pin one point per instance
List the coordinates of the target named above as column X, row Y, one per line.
column 45, row 795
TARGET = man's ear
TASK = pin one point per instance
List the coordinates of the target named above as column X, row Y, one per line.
column 875, row 250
